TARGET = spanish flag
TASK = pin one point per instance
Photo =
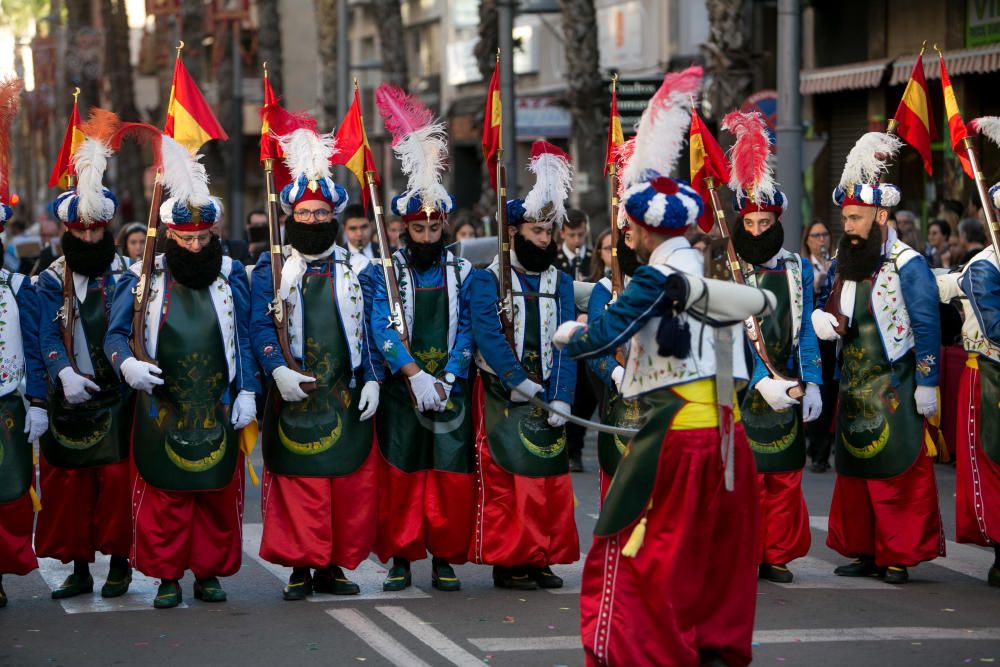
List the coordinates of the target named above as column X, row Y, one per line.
column 63, row 170
column 914, row 123
column 492, row 122
column 956, row 127
column 615, row 136
column 190, row 120
column 269, row 148
column 353, row 150
column 707, row 161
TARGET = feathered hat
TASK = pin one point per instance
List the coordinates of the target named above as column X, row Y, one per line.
column 190, row 206
column 751, row 176
column 867, row 161
column 652, row 199
column 89, row 204
column 9, row 91
column 307, row 155
column 989, row 127
column 421, row 145
column 546, row 201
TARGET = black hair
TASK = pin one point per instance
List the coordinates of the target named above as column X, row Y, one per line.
column 942, row 226
column 575, row 218
column 254, row 212
column 354, row 211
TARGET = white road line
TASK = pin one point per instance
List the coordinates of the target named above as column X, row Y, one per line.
column 139, row 597
column 445, row 647
column 368, row 576
column 808, row 635
column 555, row 643
column 816, row 573
column 376, row 637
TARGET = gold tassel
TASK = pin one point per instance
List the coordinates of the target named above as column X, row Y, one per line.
column 576, row 501
column 253, row 473
column 36, row 504
column 638, row 536
column 934, row 421
column 248, row 441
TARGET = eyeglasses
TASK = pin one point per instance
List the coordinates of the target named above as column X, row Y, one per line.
column 187, row 240
column 321, row 215
column 819, row 235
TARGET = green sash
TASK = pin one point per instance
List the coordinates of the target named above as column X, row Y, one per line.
column 321, row 436
column 879, row 433
column 91, row 433
column 616, row 411
column 519, row 436
column 989, row 415
column 16, row 467
column 412, row 440
column 776, row 438
column 182, row 438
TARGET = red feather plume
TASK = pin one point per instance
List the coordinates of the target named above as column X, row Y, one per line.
column 402, row 114
column 141, row 133
column 748, row 156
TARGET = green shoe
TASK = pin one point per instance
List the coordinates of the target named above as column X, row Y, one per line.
column 332, row 580
column 895, row 574
column 517, row 579
column 299, row 587
column 73, row 586
column 546, row 578
column 444, row 579
column 992, row 578
column 862, row 567
column 168, row 595
column 399, row 578
column 117, row 582
column 209, row 590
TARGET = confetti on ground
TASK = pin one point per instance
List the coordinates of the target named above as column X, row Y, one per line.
column 986, row 660
column 508, row 619
column 947, row 609
column 552, row 627
column 563, row 608
column 360, row 659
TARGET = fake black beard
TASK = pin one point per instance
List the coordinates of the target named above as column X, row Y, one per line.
column 628, row 261
column 861, row 261
column 422, row 255
column 311, row 239
column 757, row 250
column 532, row 257
column 196, row 270
column 88, row 259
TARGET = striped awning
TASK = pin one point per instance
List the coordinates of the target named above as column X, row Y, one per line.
column 854, row 76
column 979, row 60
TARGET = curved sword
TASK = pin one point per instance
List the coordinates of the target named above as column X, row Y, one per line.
column 586, row 423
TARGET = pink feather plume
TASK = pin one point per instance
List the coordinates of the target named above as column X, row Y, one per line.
column 9, row 91
column 675, row 84
column 748, row 156
column 623, row 154
column 402, row 114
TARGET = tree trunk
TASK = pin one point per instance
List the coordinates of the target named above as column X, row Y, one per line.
column 269, row 41
column 84, row 46
column 584, row 97
column 326, row 29
column 728, row 55
column 486, row 48
column 389, row 19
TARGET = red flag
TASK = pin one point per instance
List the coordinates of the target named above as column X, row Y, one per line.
column 190, row 120
column 707, row 161
column 615, row 136
column 353, row 150
column 956, row 127
column 492, row 121
column 63, row 170
column 914, row 123
column 269, row 148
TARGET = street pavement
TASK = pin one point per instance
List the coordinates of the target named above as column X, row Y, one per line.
column 946, row 615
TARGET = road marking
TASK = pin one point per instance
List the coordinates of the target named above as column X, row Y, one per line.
column 594, row 516
column 446, row 648
column 808, row 635
column 816, row 573
column 376, row 637
column 555, row 643
column 140, row 594
column 368, row 576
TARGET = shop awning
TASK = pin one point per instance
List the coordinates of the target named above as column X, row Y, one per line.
column 854, row 76
column 979, row 60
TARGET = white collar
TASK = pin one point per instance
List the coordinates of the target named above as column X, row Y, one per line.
column 667, row 247
column 574, row 254
column 890, row 239
column 295, row 267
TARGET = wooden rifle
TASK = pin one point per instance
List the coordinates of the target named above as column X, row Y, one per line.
column 617, row 278
column 505, row 290
column 141, row 291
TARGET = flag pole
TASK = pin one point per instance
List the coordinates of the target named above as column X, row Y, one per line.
column 67, row 313
column 890, row 127
column 505, row 290
column 617, row 280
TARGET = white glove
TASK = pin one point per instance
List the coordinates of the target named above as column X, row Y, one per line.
column 424, row 387
column 775, row 392
column 76, row 388
column 36, row 423
column 244, row 409
column 565, row 333
column 288, row 383
column 617, row 375
column 812, row 403
column 926, row 399
column 524, row 391
column 140, row 375
column 368, row 403
column 824, row 323
column 558, row 420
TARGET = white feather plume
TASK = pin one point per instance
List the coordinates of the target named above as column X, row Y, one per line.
column 989, row 127
column 423, row 156
column 869, row 159
column 90, row 161
column 553, row 180
column 184, row 175
column 308, row 153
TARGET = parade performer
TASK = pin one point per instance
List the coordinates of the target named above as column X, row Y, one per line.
column 670, row 578
column 772, row 420
column 524, row 497
column 85, row 476
column 426, row 485
column 22, row 378
column 319, row 495
column 187, row 501
column 883, row 309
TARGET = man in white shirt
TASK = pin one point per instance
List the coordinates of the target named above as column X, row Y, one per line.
column 358, row 237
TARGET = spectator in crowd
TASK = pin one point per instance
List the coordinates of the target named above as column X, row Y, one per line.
column 907, row 227
column 393, row 228
column 951, row 211
column 15, row 235
column 600, row 267
column 257, row 234
column 358, row 237
column 574, row 256
column 816, row 244
column 465, row 229
column 937, row 251
column 971, row 238
column 131, row 240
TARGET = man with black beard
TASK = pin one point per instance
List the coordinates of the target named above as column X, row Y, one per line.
column 524, row 509
column 319, row 494
column 187, row 499
column 883, row 310
column 84, row 464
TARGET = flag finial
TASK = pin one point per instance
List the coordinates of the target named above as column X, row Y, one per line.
column 498, row 54
column 940, row 54
column 264, row 65
column 923, row 47
column 76, row 93
column 180, row 47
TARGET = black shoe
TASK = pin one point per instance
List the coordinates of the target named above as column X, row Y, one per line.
column 862, row 567
column 776, row 572
column 299, row 586
column 333, row 580
column 576, row 462
column 895, row 574
column 546, row 579
column 516, row 578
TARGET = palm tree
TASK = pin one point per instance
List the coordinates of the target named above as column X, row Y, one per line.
column 489, row 39
column 389, row 19
column 326, row 28
column 269, row 41
column 83, row 52
column 728, row 54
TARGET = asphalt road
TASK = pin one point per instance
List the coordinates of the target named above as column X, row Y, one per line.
column 945, row 616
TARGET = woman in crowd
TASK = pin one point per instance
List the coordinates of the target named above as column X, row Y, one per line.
column 816, row 244
column 131, row 239
column 600, row 266
column 465, row 229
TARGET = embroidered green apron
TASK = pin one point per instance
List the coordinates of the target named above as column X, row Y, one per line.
column 616, row 411
column 989, row 402
column 91, row 433
column 321, row 436
column 16, row 467
column 776, row 438
column 519, row 436
column 879, row 433
column 183, row 440
column 412, row 440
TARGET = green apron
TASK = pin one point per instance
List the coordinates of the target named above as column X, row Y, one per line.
column 183, row 440
column 989, row 402
column 616, row 411
column 412, row 440
column 16, row 466
column 321, row 436
column 879, row 433
column 776, row 438
column 91, row 433
column 519, row 436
